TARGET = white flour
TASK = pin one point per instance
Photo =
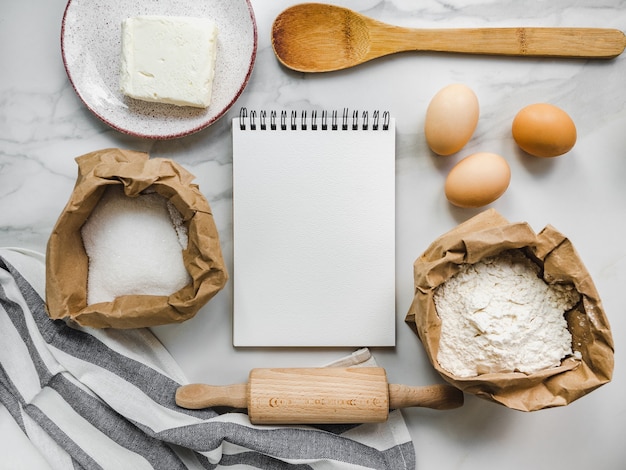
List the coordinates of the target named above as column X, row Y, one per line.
column 498, row 316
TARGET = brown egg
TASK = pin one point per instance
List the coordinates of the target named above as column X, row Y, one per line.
column 478, row 180
column 451, row 119
column 544, row 130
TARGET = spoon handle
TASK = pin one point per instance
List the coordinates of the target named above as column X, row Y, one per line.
column 598, row 43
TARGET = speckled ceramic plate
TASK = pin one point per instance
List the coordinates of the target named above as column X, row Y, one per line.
column 91, row 47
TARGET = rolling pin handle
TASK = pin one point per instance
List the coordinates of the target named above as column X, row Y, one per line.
column 198, row 396
column 438, row 397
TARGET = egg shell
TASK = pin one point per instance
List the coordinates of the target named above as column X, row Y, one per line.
column 451, row 119
column 544, row 130
column 477, row 180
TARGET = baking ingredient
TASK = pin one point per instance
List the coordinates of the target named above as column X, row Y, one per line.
column 134, row 246
column 477, row 180
column 544, row 130
column 451, row 119
column 169, row 59
column 498, row 315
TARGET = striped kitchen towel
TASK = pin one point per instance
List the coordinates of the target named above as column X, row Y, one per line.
column 104, row 399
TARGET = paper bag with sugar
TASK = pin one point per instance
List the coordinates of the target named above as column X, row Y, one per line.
column 67, row 262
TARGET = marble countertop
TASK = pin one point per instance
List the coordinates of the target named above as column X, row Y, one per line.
column 44, row 127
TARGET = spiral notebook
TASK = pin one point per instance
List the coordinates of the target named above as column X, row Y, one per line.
column 313, row 229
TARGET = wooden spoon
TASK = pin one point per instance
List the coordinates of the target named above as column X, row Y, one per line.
column 315, row 37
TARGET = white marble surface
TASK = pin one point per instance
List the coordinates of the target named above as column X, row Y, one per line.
column 43, row 127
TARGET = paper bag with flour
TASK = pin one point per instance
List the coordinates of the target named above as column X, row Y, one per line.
column 488, row 234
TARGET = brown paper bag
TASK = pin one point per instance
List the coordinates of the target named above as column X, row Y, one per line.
column 67, row 263
column 488, row 234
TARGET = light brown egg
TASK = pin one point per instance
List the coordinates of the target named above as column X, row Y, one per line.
column 451, row 119
column 544, row 130
column 478, row 180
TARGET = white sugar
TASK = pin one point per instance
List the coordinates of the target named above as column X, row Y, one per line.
column 134, row 246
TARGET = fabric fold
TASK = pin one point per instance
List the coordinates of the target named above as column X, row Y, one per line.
column 89, row 398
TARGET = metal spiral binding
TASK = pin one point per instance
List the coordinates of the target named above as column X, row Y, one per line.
column 290, row 121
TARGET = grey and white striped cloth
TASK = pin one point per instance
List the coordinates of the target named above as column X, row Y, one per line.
column 104, row 399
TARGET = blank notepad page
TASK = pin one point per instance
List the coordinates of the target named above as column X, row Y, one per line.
column 314, row 234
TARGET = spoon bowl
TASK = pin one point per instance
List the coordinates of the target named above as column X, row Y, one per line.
column 316, row 37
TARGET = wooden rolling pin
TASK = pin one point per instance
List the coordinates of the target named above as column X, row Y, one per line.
column 318, row 396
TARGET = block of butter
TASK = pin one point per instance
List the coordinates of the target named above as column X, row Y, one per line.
column 169, row 59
